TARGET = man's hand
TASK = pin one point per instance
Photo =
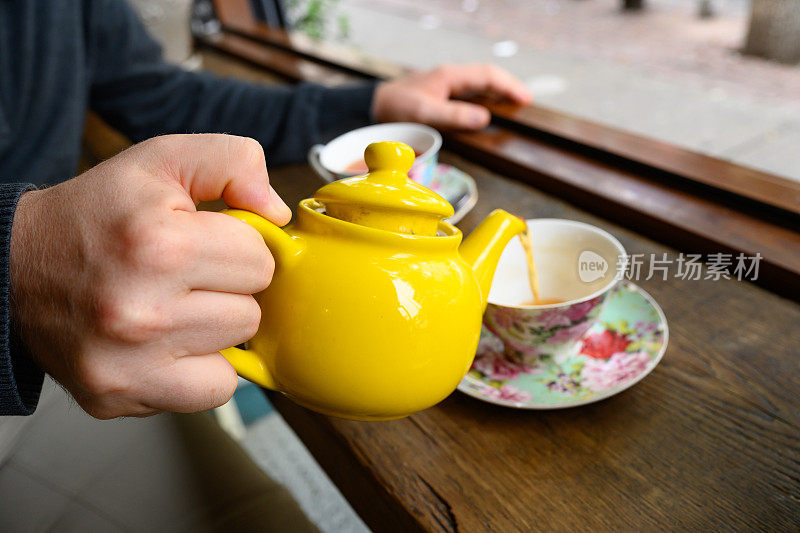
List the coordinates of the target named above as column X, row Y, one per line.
column 425, row 97
column 125, row 293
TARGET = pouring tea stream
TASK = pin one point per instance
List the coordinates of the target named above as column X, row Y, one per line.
column 375, row 306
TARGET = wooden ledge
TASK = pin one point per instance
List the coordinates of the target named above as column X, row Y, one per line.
column 650, row 154
column 285, row 64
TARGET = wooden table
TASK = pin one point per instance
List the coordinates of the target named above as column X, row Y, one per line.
column 711, row 439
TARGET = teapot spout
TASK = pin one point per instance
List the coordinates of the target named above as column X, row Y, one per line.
column 482, row 248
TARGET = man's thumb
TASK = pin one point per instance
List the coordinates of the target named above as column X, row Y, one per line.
column 213, row 166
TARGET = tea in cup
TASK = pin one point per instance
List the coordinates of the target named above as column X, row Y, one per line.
column 576, row 265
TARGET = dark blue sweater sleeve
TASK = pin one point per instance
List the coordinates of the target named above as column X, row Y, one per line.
column 135, row 91
column 20, row 379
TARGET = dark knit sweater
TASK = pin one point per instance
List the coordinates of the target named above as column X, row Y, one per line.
column 58, row 59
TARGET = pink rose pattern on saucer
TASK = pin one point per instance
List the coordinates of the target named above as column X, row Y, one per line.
column 625, row 343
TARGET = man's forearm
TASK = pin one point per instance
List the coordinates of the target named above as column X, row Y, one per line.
column 287, row 121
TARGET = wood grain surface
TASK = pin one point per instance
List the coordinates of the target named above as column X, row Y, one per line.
column 708, row 441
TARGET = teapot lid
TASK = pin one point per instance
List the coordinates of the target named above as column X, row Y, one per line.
column 384, row 198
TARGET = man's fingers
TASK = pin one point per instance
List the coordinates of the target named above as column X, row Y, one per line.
column 482, row 77
column 207, row 321
column 447, row 114
column 230, row 255
column 192, row 383
column 213, row 166
column 171, row 377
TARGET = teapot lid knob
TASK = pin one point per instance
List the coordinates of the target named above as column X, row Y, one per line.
column 389, row 155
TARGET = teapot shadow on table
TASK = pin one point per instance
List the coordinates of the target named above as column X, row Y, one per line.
column 375, row 306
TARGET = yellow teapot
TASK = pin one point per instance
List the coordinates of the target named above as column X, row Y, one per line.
column 374, row 310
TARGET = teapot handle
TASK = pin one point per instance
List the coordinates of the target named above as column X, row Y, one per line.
column 285, row 249
column 249, row 365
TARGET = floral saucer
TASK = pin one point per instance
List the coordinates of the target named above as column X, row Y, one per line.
column 455, row 186
column 621, row 349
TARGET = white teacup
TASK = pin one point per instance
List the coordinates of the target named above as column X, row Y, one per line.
column 331, row 160
column 577, row 264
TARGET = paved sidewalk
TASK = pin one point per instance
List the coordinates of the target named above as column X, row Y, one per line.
column 724, row 109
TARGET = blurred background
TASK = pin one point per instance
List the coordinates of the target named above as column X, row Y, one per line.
column 717, row 76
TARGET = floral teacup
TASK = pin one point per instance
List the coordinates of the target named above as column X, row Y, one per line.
column 577, row 265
